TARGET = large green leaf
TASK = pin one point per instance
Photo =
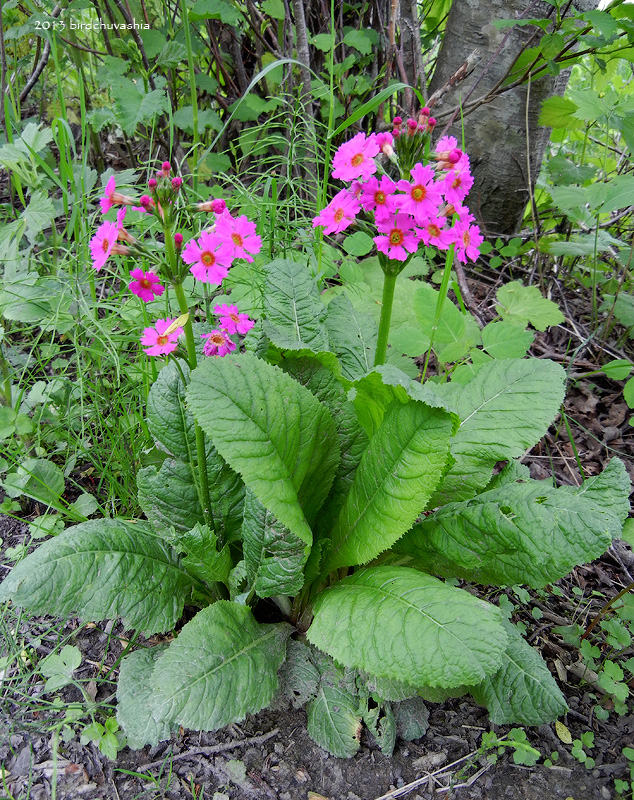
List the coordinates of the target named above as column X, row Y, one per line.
column 270, row 430
column 334, row 721
column 375, row 392
column 352, row 335
column 168, row 495
column 273, row 555
column 523, row 304
column 351, row 437
column 397, row 475
column 395, row 622
column 522, row 533
column 294, row 313
column 203, row 559
column 137, row 710
column 505, row 409
column 103, row 569
column 222, row 666
column 456, row 333
column 522, row 691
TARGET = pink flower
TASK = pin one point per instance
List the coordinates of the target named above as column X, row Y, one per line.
column 218, row 206
column 160, row 343
column 145, row 285
column 107, row 201
column 354, row 159
column 239, row 234
column 400, row 239
column 231, row 321
column 218, row 344
column 385, row 142
column 432, row 233
column 422, row 196
column 113, row 198
column 102, row 243
column 378, row 196
column 339, row 213
column 456, row 185
column 468, row 240
column 446, row 144
column 210, row 257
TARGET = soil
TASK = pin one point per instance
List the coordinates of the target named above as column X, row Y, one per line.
column 270, row 754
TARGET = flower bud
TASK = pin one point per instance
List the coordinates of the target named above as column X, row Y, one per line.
column 146, row 201
column 218, row 206
column 166, row 167
column 412, row 124
column 425, row 111
column 431, row 122
column 177, row 183
column 454, row 156
column 397, row 121
column 152, row 184
column 178, row 240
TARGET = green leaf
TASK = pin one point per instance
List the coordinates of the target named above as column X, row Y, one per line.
column 274, row 556
column 30, row 299
column 334, row 721
column 506, row 339
column 522, row 533
column 222, row 666
column 103, row 569
column 382, row 725
column 505, row 409
column 351, row 437
column 452, row 327
column 203, row 558
column 215, row 9
column 137, row 708
column 564, row 171
column 274, row 8
column 396, row 477
column 558, row 112
column 299, row 677
column 38, row 215
column 398, row 623
column 352, row 336
column 270, row 430
column 294, row 313
column 412, row 718
column 133, row 108
column 171, row 55
column 522, row 691
column 170, row 423
column 322, row 41
column 361, row 40
column 526, row 304
column 59, row 669
column 609, row 490
column 37, row 478
column 618, row 369
column 619, row 194
column 358, row 244
column 168, row 496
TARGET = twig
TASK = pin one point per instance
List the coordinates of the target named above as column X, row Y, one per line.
column 214, row 749
column 420, row 781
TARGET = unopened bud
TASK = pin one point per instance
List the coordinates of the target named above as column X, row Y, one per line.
column 178, row 240
column 152, row 184
column 455, row 156
column 412, row 124
column 218, row 206
column 177, row 183
column 425, row 111
column 145, row 201
column 397, row 120
column 431, row 122
column 166, row 167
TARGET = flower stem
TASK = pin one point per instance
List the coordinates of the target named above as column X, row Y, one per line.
column 389, row 283
column 200, row 436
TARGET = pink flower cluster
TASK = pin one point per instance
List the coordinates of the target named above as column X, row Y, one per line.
column 211, row 255
column 218, row 341
column 426, row 208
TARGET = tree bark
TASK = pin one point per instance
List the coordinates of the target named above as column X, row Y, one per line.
column 502, row 136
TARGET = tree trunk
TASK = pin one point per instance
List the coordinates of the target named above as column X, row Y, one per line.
column 502, row 136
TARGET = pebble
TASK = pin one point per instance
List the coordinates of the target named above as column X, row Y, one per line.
column 21, row 764
column 605, row 793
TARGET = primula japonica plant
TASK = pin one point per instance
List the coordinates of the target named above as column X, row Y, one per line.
column 298, row 478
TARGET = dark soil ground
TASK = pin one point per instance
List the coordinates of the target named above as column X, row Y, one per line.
column 271, row 756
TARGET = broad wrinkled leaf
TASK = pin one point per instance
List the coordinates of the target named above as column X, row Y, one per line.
column 352, row 335
column 395, row 622
column 412, row 718
column 522, row 533
column 274, row 556
column 299, row 677
column 351, row 437
column 526, row 304
column 456, row 332
column 168, row 496
column 103, row 569
column 382, row 725
column 222, row 666
column 522, row 691
column 37, row 478
column 270, row 430
column 505, row 409
column 137, row 709
column 294, row 312
column 506, row 339
column 334, row 721
column 399, row 470
column 203, row 558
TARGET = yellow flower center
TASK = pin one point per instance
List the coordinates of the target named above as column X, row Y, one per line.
column 357, row 159
column 339, row 215
column 237, row 239
column 144, row 283
column 396, row 236
column 419, row 193
column 105, row 245
column 208, row 259
column 380, row 198
column 162, row 340
column 433, row 230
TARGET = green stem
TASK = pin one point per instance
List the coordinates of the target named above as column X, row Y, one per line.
column 442, row 296
column 389, row 283
column 201, row 450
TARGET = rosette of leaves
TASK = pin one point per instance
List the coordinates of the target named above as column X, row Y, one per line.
column 345, row 495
